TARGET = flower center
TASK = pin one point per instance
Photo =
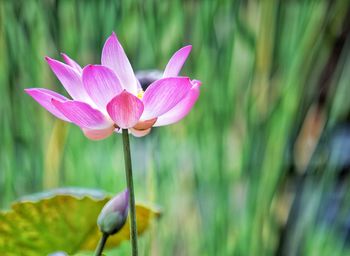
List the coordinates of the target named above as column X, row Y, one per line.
column 140, row 94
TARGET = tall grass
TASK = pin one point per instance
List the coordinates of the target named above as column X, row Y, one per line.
column 228, row 174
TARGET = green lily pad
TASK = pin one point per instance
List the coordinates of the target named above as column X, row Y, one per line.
column 61, row 220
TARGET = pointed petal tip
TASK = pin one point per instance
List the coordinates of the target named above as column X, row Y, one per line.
column 70, row 62
column 34, row 91
column 30, row 91
column 44, row 97
column 188, row 48
column 52, row 61
column 48, row 59
column 177, row 61
column 113, row 36
column 64, row 56
column 114, row 57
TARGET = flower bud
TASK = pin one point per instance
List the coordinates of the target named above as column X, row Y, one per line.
column 114, row 214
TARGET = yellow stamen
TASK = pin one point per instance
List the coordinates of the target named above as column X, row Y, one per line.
column 140, row 94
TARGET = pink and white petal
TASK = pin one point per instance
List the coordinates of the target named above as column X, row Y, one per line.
column 143, row 125
column 82, row 114
column 44, row 97
column 163, row 94
column 70, row 79
column 98, row 134
column 181, row 109
column 140, row 133
column 72, row 63
column 114, row 57
column 125, row 109
column 142, row 128
column 101, row 84
column 177, row 61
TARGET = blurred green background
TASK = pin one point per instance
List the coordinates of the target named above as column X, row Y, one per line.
column 260, row 165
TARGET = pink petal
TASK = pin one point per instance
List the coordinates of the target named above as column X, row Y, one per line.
column 82, row 114
column 176, row 62
column 101, row 84
column 144, row 125
column 142, row 128
column 139, row 133
column 72, row 63
column 163, row 95
column 125, row 109
column 181, row 109
column 70, row 79
column 114, row 57
column 44, row 97
column 98, row 134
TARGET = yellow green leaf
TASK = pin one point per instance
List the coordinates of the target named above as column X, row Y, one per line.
column 61, row 220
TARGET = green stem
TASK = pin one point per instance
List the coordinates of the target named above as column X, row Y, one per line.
column 101, row 244
column 130, row 184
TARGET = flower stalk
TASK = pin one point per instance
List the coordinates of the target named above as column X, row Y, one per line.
column 130, row 185
column 101, row 244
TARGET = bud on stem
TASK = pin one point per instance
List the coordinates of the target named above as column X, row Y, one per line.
column 114, row 214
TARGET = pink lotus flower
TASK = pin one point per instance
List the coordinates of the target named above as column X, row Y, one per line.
column 108, row 97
